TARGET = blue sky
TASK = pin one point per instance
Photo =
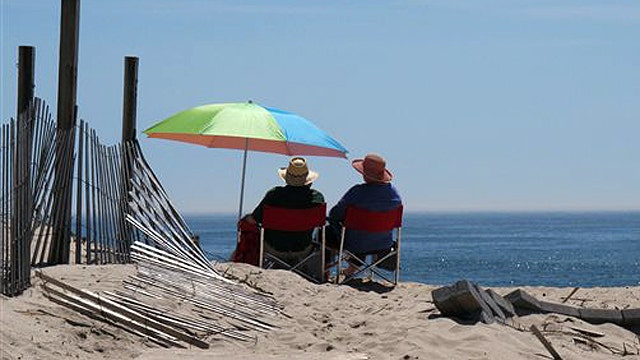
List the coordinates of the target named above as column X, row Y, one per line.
column 477, row 105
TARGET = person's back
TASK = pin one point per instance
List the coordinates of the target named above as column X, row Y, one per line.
column 375, row 194
column 289, row 197
column 292, row 247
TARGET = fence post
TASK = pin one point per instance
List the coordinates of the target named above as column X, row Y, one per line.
column 26, row 76
column 129, row 115
column 22, row 203
column 67, row 91
column 130, row 97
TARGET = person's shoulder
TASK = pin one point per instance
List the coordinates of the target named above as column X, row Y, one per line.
column 357, row 187
column 354, row 192
column 317, row 194
column 393, row 191
column 380, row 188
column 274, row 190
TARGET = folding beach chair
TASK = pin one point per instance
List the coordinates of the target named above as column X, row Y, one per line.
column 388, row 259
column 277, row 218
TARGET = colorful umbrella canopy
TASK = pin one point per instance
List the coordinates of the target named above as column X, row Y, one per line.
column 247, row 126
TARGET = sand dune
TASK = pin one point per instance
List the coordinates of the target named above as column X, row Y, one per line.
column 361, row 321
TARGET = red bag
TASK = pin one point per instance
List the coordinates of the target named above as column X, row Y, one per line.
column 248, row 248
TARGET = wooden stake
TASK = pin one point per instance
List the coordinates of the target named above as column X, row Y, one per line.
column 545, row 342
column 570, row 294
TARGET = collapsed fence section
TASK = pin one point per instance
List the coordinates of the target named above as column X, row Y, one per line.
column 153, row 214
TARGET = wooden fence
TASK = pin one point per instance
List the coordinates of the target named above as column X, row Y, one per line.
column 26, row 162
column 29, row 214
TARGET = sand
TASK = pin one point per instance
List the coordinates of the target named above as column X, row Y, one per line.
column 362, row 321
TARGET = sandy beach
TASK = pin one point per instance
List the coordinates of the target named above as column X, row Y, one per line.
column 361, row 321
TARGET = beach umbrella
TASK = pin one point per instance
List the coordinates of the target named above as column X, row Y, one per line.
column 247, row 126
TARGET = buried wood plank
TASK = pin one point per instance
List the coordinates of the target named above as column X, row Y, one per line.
column 494, row 308
column 463, row 300
column 631, row 316
column 600, row 316
column 522, row 300
column 506, row 307
column 458, row 298
column 545, row 342
column 562, row 309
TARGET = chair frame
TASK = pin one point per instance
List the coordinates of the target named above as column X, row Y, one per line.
column 373, row 221
column 307, row 219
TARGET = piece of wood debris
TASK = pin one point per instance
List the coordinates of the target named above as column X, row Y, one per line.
column 570, row 294
column 587, row 332
column 614, row 350
column 545, row 342
column 580, row 340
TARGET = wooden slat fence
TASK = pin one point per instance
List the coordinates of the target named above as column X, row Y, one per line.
column 101, row 235
column 117, row 212
column 28, row 218
column 115, row 200
column 151, row 209
column 26, row 162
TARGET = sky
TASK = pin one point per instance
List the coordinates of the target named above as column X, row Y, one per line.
column 497, row 105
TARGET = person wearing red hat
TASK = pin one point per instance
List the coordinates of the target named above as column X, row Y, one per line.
column 375, row 194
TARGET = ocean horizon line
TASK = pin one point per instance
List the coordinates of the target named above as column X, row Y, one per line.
column 463, row 212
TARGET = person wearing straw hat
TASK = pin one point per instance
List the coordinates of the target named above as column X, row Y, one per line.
column 296, row 194
column 375, row 194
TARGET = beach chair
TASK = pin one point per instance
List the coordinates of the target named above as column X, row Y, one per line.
column 371, row 263
column 282, row 219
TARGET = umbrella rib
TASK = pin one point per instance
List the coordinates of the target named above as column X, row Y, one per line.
column 289, row 152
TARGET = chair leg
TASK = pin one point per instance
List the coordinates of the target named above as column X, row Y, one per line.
column 346, row 256
column 397, row 273
column 323, row 249
column 340, row 255
column 261, row 257
column 294, row 268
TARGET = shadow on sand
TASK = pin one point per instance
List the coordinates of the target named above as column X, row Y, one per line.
column 368, row 285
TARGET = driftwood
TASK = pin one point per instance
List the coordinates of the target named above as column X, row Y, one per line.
column 468, row 301
column 526, row 304
column 545, row 342
column 587, row 331
column 631, row 316
column 570, row 294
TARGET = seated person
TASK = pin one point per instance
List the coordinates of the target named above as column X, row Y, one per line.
column 292, row 246
column 375, row 194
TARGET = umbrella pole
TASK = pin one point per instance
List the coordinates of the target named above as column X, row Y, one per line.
column 244, row 168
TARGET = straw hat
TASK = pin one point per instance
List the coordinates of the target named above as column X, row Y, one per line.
column 373, row 168
column 297, row 173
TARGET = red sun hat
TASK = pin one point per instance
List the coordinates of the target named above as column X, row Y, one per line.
column 373, row 168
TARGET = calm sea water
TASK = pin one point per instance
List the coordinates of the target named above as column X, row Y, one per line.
column 496, row 249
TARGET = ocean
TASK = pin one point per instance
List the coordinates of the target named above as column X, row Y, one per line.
column 584, row 249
